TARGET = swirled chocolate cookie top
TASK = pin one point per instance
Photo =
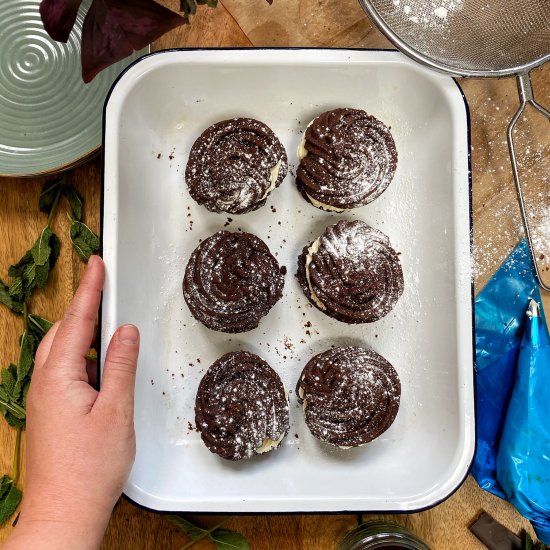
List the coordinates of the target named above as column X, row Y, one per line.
column 350, row 395
column 348, row 159
column 351, row 273
column 231, row 281
column 234, row 165
column 241, row 408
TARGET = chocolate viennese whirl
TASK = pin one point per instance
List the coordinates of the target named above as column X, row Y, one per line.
column 231, row 281
column 350, row 395
column 241, row 407
column 348, row 159
column 351, row 273
column 234, row 165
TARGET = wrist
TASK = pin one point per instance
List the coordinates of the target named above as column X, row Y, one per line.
column 53, row 535
column 54, row 521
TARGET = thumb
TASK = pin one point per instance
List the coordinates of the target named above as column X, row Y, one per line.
column 119, row 371
column 45, row 346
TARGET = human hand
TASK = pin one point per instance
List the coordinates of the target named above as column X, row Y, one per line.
column 80, row 442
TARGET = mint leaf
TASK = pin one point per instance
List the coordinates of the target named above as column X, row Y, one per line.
column 9, row 301
column 16, row 290
column 38, row 326
column 34, row 267
column 85, row 241
column 82, row 249
column 229, row 540
column 10, row 499
column 26, row 389
column 189, row 7
column 41, row 249
column 26, row 357
column 209, row 3
column 4, row 485
column 16, row 270
column 14, row 420
column 75, row 202
column 193, row 532
column 8, row 380
column 41, row 276
column 15, row 381
column 49, row 189
column 29, row 274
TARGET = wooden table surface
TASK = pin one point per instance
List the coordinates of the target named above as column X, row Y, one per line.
column 497, row 228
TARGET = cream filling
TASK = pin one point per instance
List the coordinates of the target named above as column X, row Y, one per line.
column 324, row 206
column 301, row 393
column 302, row 151
column 273, row 177
column 269, row 444
column 313, row 249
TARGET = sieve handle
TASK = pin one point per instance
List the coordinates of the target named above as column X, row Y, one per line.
column 526, row 96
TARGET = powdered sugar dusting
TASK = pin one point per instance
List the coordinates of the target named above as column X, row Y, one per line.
column 428, row 14
column 231, row 281
column 350, row 395
column 354, row 275
column 351, row 159
column 241, row 407
column 234, row 165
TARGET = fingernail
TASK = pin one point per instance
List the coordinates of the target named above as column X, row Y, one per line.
column 91, row 261
column 128, row 334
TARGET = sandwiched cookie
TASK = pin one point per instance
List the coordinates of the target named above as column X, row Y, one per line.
column 348, row 159
column 350, row 395
column 234, row 165
column 231, row 281
column 241, row 408
column 351, row 273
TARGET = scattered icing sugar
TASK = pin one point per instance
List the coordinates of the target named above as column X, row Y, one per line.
column 429, row 14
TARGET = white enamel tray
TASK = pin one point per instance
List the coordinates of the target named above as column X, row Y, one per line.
column 151, row 225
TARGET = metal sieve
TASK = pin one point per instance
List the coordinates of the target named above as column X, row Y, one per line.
column 475, row 38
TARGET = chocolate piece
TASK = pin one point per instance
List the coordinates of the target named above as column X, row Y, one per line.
column 351, row 273
column 493, row 534
column 350, row 395
column 231, row 281
column 351, row 159
column 234, row 165
column 241, row 407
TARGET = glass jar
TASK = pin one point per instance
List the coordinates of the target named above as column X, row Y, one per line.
column 381, row 534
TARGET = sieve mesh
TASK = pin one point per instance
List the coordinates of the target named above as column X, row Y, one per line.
column 468, row 37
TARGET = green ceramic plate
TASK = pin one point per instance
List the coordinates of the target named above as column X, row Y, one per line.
column 49, row 119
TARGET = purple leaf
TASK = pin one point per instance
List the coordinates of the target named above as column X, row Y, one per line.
column 58, row 17
column 113, row 29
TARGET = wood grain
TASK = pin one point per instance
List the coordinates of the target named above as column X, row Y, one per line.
column 496, row 230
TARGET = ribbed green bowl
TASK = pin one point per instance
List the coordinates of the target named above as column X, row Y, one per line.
column 49, row 119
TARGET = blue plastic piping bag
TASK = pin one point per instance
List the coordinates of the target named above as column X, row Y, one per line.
column 500, row 318
column 523, row 461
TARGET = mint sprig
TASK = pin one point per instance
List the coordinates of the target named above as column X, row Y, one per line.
column 29, row 273
column 223, row 539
